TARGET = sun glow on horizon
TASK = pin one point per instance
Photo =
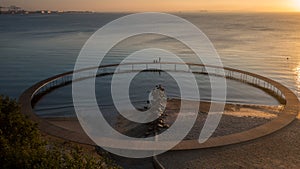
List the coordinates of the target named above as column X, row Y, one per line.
column 159, row 6
column 296, row 5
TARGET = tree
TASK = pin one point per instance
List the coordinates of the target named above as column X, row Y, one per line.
column 22, row 146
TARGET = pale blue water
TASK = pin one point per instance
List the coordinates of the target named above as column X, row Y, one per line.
column 35, row 47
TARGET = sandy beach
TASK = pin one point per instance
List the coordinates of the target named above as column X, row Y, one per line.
column 236, row 118
column 280, row 149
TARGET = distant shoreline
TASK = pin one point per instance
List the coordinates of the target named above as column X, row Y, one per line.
column 43, row 12
column 47, row 12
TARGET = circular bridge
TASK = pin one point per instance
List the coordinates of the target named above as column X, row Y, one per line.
column 284, row 95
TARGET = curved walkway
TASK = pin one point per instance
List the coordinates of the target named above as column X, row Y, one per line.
column 288, row 114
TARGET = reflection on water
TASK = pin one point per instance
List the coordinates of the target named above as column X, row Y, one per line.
column 297, row 71
column 35, row 47
column 59, row 101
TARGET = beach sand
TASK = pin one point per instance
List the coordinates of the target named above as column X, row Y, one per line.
column 236, row 118
column 278, row 150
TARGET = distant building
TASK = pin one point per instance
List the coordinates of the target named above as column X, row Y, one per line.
column 11, row 10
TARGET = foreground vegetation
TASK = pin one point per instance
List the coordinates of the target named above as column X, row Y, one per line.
column 22, row 146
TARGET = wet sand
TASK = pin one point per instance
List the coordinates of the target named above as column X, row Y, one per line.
column 236, row 118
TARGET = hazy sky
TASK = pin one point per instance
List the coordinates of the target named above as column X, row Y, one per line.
column 157, row 5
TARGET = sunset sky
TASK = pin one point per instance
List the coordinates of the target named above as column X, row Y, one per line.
column 158, row 5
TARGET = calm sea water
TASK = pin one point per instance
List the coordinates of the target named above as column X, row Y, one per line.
column 34, row 47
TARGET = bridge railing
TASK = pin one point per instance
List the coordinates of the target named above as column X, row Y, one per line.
column 287, row 115
column 267, row 85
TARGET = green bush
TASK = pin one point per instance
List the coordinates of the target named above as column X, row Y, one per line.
column 21, row 145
